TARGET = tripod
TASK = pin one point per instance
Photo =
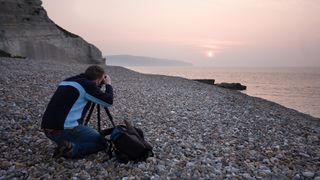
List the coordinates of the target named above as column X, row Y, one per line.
column 98, row 115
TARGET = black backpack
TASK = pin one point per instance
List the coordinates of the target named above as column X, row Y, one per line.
column 128, row 143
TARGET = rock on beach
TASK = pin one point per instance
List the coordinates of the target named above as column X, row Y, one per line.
column 198, row 131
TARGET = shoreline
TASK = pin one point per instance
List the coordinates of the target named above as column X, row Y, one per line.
column 197, row 130
column 289, row 87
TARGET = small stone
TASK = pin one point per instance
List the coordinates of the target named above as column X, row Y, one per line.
column 304, row 155
column 151, row 160
column 312, row 139
column 190, row 164
column 247, row 176
column 266, row 161
column 231, row 169
column 199, row 146
column 274, row 160
column 84, row 175
column 142, row 166
column 279, row 156
column 296, row 177
column 161, row 168
column 46, row 176
column 155, row 177
column 252, row 152
column 5, row 164
column 308, row 174
column 264, row 172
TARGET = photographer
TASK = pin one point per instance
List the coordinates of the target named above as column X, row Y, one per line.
column 64, row 116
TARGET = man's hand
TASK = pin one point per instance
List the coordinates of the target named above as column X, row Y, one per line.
column 107, row 79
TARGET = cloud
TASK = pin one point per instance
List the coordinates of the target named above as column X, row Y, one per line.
column 218, row 46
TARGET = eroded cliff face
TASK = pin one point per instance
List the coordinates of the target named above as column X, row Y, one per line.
column 27, row 31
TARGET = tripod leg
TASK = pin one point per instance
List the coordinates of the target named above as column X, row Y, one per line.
column 89, row 114
column 99, row 118
column 110, row 117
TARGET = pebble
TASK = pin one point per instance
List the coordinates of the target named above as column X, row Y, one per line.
column 296, row 177
column 312, row 139
column 5, row 164
column 230, row 169
column 84, row 175
column 265, row 172
column 308, row 174
column 304, row 154
column 142, row 166
column 155, row 177
column 247, row 176
column 161, row 168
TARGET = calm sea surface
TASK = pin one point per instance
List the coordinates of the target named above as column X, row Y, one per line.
column 296, row 88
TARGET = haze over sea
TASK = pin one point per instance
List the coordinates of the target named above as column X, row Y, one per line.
column 296, row 88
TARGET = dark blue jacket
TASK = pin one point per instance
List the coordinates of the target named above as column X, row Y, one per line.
column 71, row 101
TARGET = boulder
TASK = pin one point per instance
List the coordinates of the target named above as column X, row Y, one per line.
column 233, row 86
column 206, row 81
column 27, row 31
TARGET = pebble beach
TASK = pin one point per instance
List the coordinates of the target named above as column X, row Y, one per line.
column 198, row 131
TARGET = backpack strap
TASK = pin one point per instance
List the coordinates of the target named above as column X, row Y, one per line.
column 110, row 149
column 106, row 132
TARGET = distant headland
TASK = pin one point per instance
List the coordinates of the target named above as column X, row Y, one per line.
column 130, row 60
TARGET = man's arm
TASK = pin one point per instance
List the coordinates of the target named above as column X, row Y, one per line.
column 95, row 95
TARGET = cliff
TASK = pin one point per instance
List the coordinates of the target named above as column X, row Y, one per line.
column 27, row 31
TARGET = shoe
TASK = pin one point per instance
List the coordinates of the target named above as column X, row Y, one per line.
column 64, row 149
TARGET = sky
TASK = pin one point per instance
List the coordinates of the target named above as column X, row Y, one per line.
column 229, row 33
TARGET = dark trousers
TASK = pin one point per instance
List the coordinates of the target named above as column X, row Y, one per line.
column 85, row 140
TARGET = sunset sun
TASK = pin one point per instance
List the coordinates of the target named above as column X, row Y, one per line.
column 210, row 54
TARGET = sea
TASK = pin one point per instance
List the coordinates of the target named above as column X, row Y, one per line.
column 296, row 88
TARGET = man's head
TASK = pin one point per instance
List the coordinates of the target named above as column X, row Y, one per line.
column 95, row 73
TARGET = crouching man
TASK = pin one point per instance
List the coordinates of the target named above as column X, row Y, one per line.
column 62, row 121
